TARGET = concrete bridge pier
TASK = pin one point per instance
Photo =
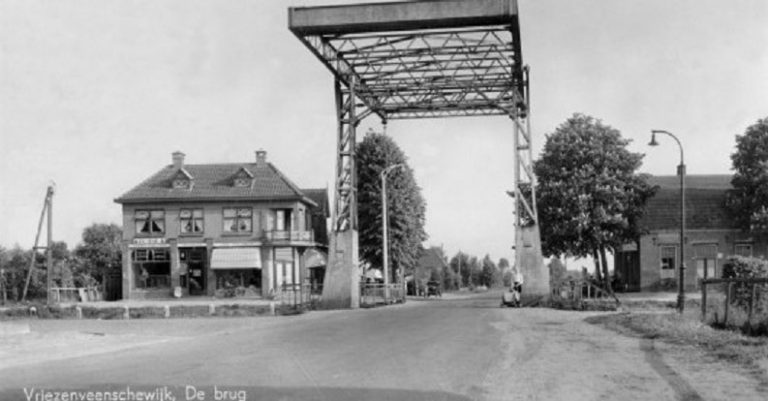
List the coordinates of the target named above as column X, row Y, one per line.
column 341, row 286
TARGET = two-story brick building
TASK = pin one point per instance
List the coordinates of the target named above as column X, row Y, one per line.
column 238, row 229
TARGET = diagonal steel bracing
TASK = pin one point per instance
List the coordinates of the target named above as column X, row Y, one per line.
column 422, row 59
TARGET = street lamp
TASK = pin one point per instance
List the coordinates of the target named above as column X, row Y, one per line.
column 384, row 224
column 681, row 173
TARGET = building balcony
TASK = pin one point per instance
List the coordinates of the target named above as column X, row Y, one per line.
column 289, row 236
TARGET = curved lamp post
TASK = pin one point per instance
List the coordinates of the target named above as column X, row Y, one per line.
column 384, row 224
column 681, row 173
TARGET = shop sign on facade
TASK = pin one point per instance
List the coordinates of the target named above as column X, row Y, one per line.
column 148, row 241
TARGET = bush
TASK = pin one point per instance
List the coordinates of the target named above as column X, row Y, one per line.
column 742, row 267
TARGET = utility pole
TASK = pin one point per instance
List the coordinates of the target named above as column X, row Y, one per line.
column 461, row 279
column 49, row 248
column 385, row 228
column 2, row 286
column 47, row 204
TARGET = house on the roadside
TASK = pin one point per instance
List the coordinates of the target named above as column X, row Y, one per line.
column 429, row 266
column 224, row 230
column 710, row 235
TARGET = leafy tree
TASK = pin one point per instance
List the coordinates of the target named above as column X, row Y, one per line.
column 450, row 278
column 506, row 272
column 475, row 270
column 15, row 268
column 15, row 263
column 99, row 254
column 490, row 275
column 589, row 196
column 3, row 279
column 406, row 206
column 461, row 265
column 557, row 271
column 748, row 200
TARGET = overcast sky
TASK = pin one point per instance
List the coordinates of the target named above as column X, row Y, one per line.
column 96, row 95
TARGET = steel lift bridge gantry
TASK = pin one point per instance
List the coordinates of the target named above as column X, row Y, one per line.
column 421, row 59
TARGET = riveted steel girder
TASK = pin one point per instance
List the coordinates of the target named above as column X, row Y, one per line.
column 422, row 59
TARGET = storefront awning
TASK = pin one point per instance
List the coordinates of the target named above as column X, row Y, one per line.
column 314, row 258
column 236, row 258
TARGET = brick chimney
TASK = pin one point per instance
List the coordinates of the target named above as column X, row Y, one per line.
column 178, row 159
column 261, row 157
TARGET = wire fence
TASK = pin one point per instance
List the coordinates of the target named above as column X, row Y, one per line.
column 75, row 294
column 300, row 296
column 372, row 294
column 309, row 296
column 735, row 302
column 577, row 290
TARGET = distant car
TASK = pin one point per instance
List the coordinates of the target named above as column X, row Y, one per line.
column 433, row 288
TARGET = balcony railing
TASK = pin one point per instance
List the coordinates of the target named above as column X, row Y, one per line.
column 278, row 235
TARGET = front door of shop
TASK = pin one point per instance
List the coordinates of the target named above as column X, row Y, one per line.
column 195, row 260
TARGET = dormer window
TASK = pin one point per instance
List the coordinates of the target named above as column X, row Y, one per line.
column 242, row 178
column 181, row 180
column 241, row 182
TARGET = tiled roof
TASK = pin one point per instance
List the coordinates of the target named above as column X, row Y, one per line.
column 704, row 203
column 319, row 196
column 215, row 182
column 431, row 257
column 712, row 181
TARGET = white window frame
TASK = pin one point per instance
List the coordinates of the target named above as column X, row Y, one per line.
column 664, row 270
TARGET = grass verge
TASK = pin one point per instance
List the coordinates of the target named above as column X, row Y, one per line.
column 686, row 329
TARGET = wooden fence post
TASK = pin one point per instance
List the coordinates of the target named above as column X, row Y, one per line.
column 703, row 301
column 727, row 302
column 751, row 304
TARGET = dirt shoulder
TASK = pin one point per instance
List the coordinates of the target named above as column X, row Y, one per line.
column 701, row 362
column 551, row 354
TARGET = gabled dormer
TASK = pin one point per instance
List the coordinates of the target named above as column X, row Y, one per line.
column 242, row 178
column 181, row 179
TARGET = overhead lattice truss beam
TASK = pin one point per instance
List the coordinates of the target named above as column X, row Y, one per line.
column 423, row 74
column 420, row 59
column 428, row 73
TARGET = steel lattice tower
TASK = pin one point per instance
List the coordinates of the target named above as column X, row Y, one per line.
column 421, row 59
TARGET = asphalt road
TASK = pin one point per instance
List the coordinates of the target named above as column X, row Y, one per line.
column 461, row 349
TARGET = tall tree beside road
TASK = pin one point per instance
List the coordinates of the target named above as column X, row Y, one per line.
column 462, row 264
column 589, row 195
column 100, row 253
column 406, row 206
column 490, row 275
column 748, row 200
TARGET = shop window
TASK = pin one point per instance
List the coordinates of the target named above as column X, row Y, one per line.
column 150, row 255
column 150, row 222
column 238, row 220
column 191, row 221
column 238, row 282
column 744, row 250
column 152, row 268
